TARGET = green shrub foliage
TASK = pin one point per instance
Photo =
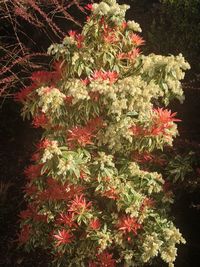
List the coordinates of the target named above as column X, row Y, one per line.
column 91, row 201
column 176, row 27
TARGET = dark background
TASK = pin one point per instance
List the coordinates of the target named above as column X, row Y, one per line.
column 166, row 31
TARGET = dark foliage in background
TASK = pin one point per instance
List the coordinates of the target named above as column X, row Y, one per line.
column 175, row 29
column 172, row 27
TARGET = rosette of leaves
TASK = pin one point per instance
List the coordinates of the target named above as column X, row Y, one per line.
column 90, row 200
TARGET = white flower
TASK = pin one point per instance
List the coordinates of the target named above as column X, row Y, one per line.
column 101, row 9
column 104, row 240
column 169, row 254
column 151, row 247
column 173, row 235
column 68, row 40
column 134, row 26
column 50, row 151
column 76, row 89
column 50, row 99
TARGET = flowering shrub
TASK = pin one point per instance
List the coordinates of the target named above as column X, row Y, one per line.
column 94, row 198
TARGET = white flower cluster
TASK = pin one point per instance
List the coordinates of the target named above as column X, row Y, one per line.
column 168, row 70
column 151, row 246
column 75, row 58
column 154, row 180
column 131, row 94
column 110, row 8
column 104, row 240
column 171, row 63
column 118, row 238
column 104, row 160
column 128, row 256
column 117, row 107
column 127, row 95
column 170, row 132
column 50, row 151
column 68, row 40
column 138, row 92
column 134, row 169
column 135, row 206
column 61, row 49
column 169, row 255
column 173, row 235
column 119, row 135
column 64, row 166
column 115, row 133
column 103, row 87
column 134, row 26
column 76, row 89
column 50, row 99
column 57, row 49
